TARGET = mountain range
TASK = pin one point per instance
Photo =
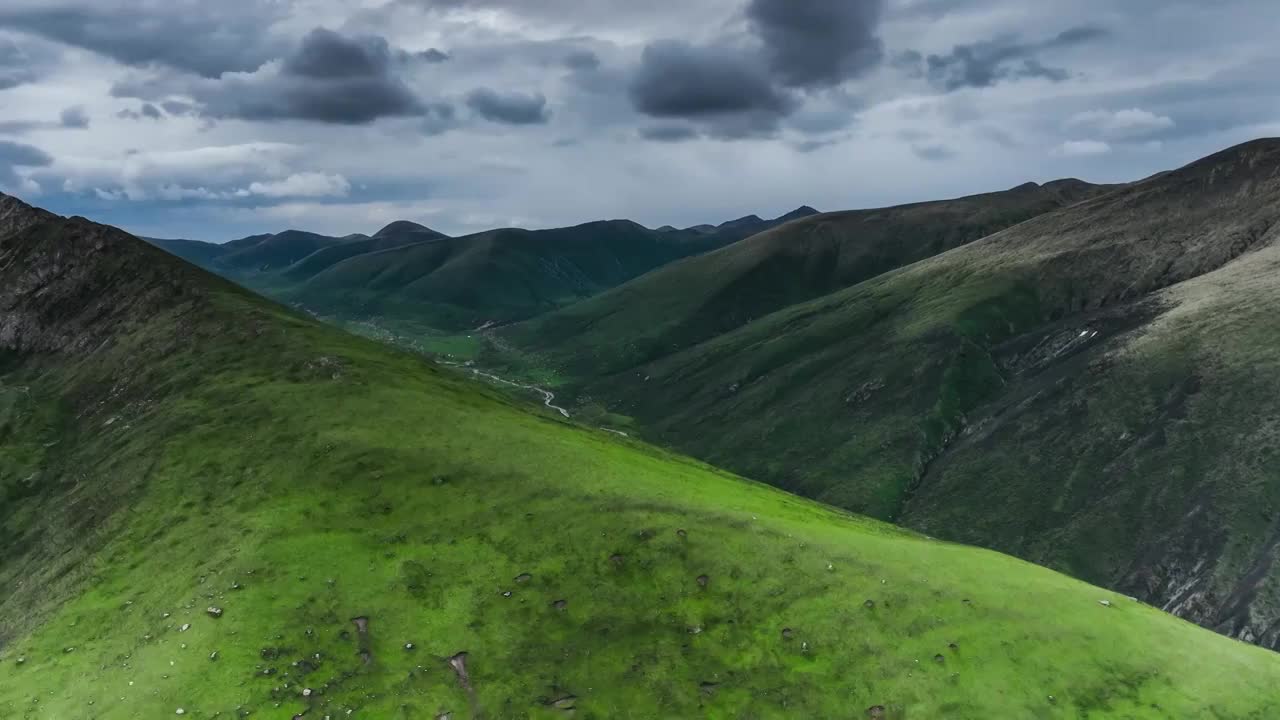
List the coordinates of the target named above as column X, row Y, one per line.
column 1086, row 389
column 1093, row 357
column 215, row 505
column 410, row 272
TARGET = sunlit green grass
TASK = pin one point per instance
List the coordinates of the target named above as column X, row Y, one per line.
column 298, row 478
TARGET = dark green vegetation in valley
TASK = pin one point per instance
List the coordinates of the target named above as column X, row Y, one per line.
column 215, row 505
column 1092, row 389
column 407, row 276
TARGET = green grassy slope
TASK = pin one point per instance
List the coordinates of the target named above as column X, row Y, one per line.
column 200, row 448
column 975, row 378
column 693, row 300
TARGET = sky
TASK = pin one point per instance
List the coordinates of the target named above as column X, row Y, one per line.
column 216, row 120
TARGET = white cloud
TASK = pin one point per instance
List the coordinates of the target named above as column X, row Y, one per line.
column 1121, row 124
column 307, row 184
column 1080, row 148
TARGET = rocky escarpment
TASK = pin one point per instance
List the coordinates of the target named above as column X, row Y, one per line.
column 66, row 282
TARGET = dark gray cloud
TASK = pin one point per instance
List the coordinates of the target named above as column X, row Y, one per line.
column 669, row 133
column 934, row 152
column 678, row 80
column 431, row 55
column 811, row 43
column 15, row 66
column 582, row 60
column 326, row 55
column 738, row 88
column 986, row 63
column 328, row 78
column 177, row 107
column 74, row 117
column 14, row 155
column 146, row 110
column 511, row 108
column 201, row 37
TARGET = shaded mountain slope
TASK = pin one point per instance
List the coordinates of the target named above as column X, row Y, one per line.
column 409, row 273
column 690, row 301
column 217, row 506
column 253, row 255
column 501, row 275
column 974, row 378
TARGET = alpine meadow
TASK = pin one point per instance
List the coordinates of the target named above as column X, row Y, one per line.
column 399, row 360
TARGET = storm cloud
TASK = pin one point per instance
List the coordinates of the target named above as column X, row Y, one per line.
column 818, row 42
column 983, row 64
column 192, row 35
column 511, row 108
column 328, row 78
column 15, row 66
column 14, row 155
column 729, row 89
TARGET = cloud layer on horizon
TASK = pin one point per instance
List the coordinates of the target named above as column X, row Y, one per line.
column 217, row 120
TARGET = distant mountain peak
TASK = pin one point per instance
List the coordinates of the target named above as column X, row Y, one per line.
column 803, row 211
column 748, row 220
column 402, row 227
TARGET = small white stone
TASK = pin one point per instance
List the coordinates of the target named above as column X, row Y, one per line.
column 306, row 692
column 180, row 711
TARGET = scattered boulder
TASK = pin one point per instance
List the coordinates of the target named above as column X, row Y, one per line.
column 213, row 656
column 876, row 712
column 617, row 560
column 523, row 578
column 708, row 688
column 787, row 633
column 939, row 658
column 565, row 703
column 869, row 604
column 362, row 624
column 703, row 580
column 185, row 627
column 214, row 612
column 1104, row 603
column 459, row 664
column 560, row 604
column 682, row 533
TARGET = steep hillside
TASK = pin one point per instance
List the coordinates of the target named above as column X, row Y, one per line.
column 216, row 508
column 690, row 301
column 1086, row 389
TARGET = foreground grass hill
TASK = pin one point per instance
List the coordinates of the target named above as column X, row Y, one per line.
column 216, row 508
column 687, row 302
column 1092, row 389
